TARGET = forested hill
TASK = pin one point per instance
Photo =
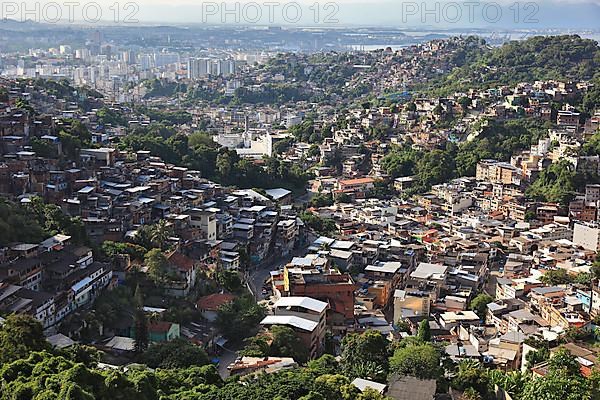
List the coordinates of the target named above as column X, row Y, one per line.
column 537, row 58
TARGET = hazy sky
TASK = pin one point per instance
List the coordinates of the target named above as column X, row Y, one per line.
column 500, row 14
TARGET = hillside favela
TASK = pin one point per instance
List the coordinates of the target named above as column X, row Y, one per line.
column 334, row 201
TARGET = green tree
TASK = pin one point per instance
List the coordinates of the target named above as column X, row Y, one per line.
column 286, row 343
column 563, row 380
column 556, row 277
column 321, row 200
column 43, row 148
column 160, row 234
column 230, row 280
column 421, row 361
column 257, row 346
column 24, row 105
column 479, row 304
column 563, row 360
column 335, row 387
column 143, row 237
column 20, row 335
column 557, row 385
column 370, row 394
column 464, row 102
column 314, row 151
column 326, row 364
column 239, row 319
column 554, row 184
column 400, row 162
column 313, row 396
column 53, row 220
column 343, row 198
column 157, row 264
column 79, row 353
column 18, row 224
column 200, row 139
column 412, row 107
column 323, row 226
column 471, row 375
column 108, row 116
column 537, row 58
column 512, row 382
column 177, row 353
column 113, row 249
column 369, row 348
column 537, row 356
column 224, row 165
column 279, row 341
column 403, row 326
column 424, row 332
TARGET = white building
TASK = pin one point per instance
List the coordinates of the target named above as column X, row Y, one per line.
column 587, row 236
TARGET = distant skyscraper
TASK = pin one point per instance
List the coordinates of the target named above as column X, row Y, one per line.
column 202, row 67
column 82, row 54
column 227, row 67
column 145, row 61
column 128, row 57
column 162, row 59
column 198, row 68
column 93, row 72
column 106, row 50
column 97, row 38
column 215, row 67
column 95, row 42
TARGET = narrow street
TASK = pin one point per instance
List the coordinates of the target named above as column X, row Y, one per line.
column 225, row 360
column 261, row 273
column 255, row 281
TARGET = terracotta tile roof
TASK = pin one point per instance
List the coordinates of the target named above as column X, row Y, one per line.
column 181, row 261
column 357, row 181
column 159, row 326
column 212, row 302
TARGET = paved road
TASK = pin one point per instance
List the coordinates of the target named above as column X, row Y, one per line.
column 226, row 358
column 257, row 276
column 255, row 281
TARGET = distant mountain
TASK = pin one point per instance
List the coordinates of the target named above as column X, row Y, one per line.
column 13, row 25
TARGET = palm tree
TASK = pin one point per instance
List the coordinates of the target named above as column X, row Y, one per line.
column 369, row 370
column 143, row 237
column 512, row 383
column 160, row 234
column 470, row 374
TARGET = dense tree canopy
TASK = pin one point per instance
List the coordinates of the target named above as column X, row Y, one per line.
column 239, row 319
column 555, row 184
column 20, row 335
column 365, row 355
column 419, row 360
column 35, row 221
column 31, row 370
column 178, row 353
column 479, row 304
column 537, row 58
column 279, row 341
column 201, row 153
column 16, row 225
column 424, row 332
